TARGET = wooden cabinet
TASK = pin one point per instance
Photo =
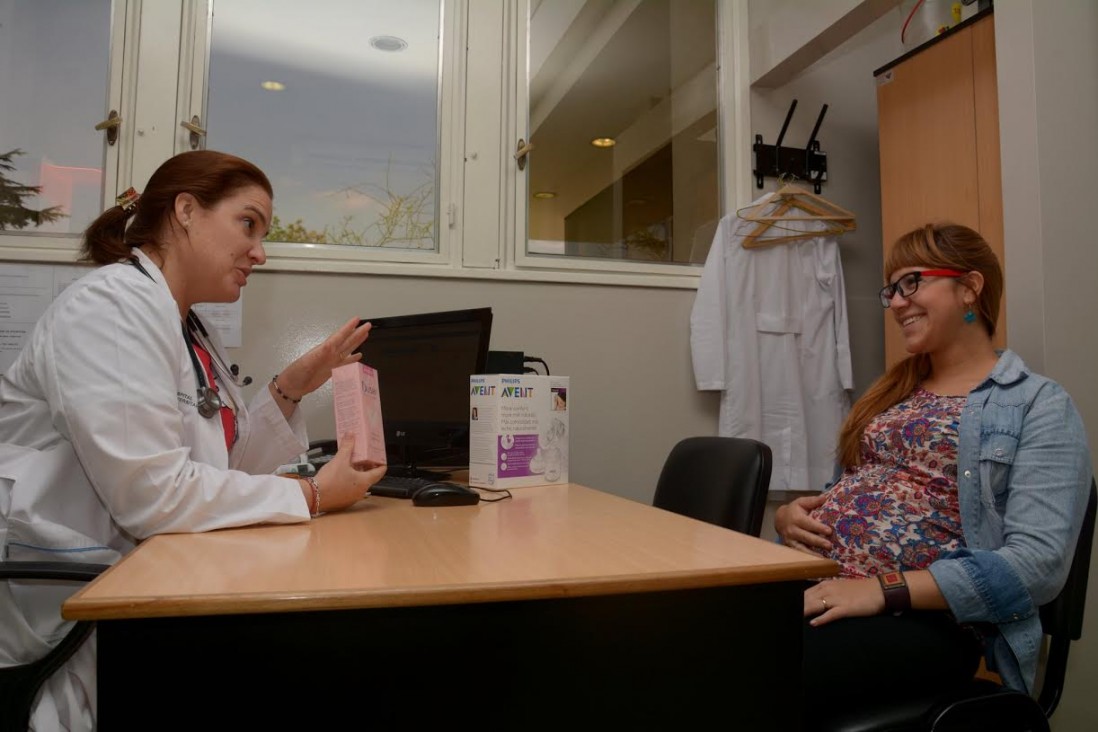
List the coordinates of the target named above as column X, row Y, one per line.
column 937, row 110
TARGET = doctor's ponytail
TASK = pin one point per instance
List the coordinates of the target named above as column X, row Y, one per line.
column 105, row 238
column 207, row 175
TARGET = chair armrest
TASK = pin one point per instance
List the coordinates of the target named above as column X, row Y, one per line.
column 77, row 571
column 1005, row 710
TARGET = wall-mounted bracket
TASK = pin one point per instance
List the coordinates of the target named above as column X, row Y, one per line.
column 807, row 164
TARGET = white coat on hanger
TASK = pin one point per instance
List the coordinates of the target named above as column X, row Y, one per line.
column 768, row 329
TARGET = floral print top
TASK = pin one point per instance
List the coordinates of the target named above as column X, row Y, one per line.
column 898, row 510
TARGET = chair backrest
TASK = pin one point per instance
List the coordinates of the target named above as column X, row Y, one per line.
column 721, row 480
column 19, row 685
column 1062, row 619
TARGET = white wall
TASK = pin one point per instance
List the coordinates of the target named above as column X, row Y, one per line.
column 626, row 350
column 1048, row 123
column 788, row 36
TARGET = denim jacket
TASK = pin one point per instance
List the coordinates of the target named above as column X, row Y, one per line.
column 1023, row 479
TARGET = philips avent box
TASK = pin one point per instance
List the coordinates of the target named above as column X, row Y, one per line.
column 518, row 430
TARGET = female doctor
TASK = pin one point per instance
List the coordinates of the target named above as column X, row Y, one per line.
column 120, row 420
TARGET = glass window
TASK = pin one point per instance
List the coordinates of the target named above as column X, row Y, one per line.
column 338, row 102
column 54, row 74
column 623, row 119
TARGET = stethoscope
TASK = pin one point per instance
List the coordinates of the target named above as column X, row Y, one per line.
column 209, row 402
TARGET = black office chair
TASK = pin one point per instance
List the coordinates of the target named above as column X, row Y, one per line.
column 721, row 480
column 19, row 685
column 986, row 704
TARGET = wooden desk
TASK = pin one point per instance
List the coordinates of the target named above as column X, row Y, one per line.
column 564, row 605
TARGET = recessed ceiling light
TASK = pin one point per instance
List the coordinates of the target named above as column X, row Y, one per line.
column 604, row 142
column 390, row 44
column 545, row 194
column 273, row 85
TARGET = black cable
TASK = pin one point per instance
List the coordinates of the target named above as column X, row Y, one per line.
column 494, row 490
column 495, row 500
column 535, row 359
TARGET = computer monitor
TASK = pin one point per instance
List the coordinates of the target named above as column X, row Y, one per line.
column 423, row 364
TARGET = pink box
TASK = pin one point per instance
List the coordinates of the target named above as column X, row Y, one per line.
column 358, row 409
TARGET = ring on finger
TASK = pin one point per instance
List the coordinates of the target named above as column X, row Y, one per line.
column 824, row 601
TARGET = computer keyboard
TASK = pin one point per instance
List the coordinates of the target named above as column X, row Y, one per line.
column 394, row 486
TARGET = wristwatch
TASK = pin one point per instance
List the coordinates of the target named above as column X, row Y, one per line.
column 897, row 596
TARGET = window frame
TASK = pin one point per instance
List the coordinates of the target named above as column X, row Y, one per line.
column 23, row 245
column 194, row 100
column 518, row 243
column 483, row 110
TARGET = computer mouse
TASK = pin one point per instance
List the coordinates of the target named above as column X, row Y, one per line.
column 445, row 494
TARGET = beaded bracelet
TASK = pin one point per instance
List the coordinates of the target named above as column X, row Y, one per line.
column 316, row 494
column 284, row 395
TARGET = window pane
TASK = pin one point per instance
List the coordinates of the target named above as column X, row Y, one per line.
column 337, row 101
column 54, row 66
column 641, row 80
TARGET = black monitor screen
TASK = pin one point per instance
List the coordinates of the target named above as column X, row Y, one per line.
column 423, row 365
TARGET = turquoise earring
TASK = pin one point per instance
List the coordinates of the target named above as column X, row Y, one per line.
column 970, row 316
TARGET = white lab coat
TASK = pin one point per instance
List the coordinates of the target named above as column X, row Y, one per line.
column 101, row 446
column 768, row 329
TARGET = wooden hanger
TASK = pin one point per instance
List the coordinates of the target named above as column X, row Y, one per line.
column 836, row 219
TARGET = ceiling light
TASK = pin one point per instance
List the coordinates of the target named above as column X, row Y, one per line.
column 545, row 194
column 390, row 44
column 604, row 142
column 273, row 85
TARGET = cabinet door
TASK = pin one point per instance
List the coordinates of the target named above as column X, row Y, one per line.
column 937, row 113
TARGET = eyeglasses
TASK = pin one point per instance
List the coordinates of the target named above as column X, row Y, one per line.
column 909, row 283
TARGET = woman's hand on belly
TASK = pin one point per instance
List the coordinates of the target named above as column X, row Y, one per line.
column 798, row 529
